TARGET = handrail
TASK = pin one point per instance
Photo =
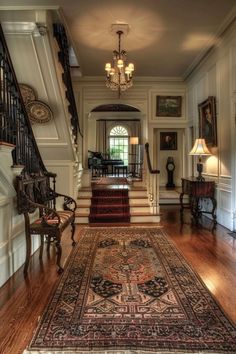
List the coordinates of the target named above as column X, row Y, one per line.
column 15, row 127
column 152, row 183
column 149, row 161
column 63, row 56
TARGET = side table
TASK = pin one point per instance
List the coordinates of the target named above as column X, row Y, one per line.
column 198, row 190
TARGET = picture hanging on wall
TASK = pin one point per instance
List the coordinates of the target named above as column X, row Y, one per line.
column 207, row 121
column 168, row 106
column 168, row 140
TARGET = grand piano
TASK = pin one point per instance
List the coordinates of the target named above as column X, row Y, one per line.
column 101, row 165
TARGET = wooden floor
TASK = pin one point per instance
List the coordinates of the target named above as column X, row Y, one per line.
column 213, row 256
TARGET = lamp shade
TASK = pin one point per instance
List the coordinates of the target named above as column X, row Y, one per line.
column 133, row 140
column 200, row 148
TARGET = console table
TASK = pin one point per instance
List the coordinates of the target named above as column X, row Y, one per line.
column 198, row 190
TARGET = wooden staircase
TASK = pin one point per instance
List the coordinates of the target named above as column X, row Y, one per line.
column 140, row 211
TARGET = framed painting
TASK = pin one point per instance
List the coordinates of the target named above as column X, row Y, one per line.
column 168, row 140
column 207, row 121
column 168, row 106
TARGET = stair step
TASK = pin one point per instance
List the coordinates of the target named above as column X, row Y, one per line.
column 119, row 217
column 144, row 218
column 109, row 210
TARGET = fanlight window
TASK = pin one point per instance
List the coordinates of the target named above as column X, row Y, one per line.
column 119, row 143
column 119, row 130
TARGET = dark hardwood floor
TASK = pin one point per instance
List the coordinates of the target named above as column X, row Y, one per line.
column 212, row 255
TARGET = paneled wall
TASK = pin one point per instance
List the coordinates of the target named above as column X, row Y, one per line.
column 92, row 93
column 12, row 235
column 216, row 76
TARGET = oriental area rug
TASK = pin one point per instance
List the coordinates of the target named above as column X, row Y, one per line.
column 128, row 290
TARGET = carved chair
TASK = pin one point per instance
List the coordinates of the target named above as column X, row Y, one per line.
column 35, row 193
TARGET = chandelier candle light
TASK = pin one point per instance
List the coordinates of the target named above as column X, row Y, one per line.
column 119, row 76
column 200, row 149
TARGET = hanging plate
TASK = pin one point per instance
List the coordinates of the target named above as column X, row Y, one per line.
column 28, row 94
column 39, row 112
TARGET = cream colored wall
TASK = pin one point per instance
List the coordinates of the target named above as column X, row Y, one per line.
column 217, row 77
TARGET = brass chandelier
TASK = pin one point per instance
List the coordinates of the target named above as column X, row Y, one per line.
column 119, row 75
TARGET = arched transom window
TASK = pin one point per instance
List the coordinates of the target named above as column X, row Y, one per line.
column 119, row 143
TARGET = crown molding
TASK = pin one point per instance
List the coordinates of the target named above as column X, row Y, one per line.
column 212, row 43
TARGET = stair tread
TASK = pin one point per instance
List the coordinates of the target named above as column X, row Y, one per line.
column 110, row 205
column 144, row 214
column 111, row 215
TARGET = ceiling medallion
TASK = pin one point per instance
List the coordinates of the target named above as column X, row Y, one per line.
column 119, row 75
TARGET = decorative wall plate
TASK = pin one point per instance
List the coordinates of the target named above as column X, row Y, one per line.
column 39, row 112
column 28, row 94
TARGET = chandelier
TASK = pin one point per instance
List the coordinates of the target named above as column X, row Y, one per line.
column 119, row 76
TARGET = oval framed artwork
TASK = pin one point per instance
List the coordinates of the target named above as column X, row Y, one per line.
column 27, row 92
column 39, row 112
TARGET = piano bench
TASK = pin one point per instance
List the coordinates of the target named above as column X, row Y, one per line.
column 121, row 168
column 100, row 170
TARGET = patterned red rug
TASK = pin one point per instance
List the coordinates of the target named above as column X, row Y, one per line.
column 129, row 288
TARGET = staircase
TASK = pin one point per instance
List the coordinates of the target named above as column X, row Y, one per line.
column 109, row 205
column 139, row 208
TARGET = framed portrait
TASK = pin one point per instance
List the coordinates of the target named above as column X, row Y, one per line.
column 169, row 106
column 207, row 121
column 168, row 140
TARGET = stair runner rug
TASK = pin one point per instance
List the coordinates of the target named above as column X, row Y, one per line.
column 127, row 290
column 109, row 206
column 112, row 180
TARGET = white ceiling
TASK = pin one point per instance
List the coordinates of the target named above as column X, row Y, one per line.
column 166, row 38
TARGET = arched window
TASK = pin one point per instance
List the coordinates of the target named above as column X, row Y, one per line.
column 119, row 143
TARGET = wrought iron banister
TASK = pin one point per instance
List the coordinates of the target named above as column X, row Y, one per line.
column 63, row 56
column 152, row 182
column 15, row 127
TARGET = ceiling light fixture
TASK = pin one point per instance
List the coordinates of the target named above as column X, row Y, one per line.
column 119, row 76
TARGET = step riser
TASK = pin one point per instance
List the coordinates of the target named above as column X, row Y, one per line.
column 81, row 220
column 145, row 219
column 82, row 210
column 109, row 210
column 109, row 201
column 139, row 194
column 141, row 209
column 84, row 203
column 93, row 220
column 84, row 194
column 137, row 201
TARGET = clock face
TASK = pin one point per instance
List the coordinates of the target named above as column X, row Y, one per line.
column 170, row 166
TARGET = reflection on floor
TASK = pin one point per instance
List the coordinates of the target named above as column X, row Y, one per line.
column 169, row 196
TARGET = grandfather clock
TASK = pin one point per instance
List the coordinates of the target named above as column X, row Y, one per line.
column 170, row 167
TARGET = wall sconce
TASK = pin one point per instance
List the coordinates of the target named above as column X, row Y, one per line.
column 200, row 149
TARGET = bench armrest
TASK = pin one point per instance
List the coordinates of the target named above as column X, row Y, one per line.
column 48, row 214
column 69, row 203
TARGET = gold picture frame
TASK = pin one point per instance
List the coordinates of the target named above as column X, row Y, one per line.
column 207, row 121
column 168, row 106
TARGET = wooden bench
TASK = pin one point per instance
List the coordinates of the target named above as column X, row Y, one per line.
column 35, row 193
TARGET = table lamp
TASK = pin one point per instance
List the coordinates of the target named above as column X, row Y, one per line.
column 200, row 149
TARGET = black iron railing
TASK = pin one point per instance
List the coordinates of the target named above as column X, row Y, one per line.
column 63, row 56
column 15, row 127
